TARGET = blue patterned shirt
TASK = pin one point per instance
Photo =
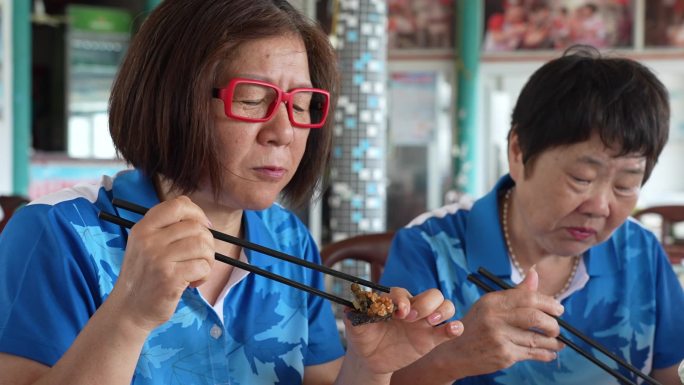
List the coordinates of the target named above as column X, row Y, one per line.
column 632, row 304
column 59, row 262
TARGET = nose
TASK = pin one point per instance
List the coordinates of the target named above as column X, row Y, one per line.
column 278, row 131
column 598, row 202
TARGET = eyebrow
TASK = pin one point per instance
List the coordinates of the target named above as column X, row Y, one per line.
column 303, row 84
column 593, row 161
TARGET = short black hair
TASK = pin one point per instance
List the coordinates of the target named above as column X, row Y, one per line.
column 581, row 93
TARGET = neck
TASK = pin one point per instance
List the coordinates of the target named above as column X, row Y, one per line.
column 557, row 272
column 523, row 256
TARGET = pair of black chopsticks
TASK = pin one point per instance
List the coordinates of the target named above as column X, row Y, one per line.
column 503, row 285
column 132, row 207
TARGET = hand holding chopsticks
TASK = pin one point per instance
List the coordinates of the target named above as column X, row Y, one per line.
column 503, row 285
column 378, row 349
column 248, row 245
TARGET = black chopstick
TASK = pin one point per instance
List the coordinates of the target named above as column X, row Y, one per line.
column 265, row 250
column 476, row 280
column 244, row 266
column 504, row 285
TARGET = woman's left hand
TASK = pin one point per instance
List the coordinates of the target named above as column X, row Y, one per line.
column 414, row 330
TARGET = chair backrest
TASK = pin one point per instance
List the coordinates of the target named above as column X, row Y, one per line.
column 10, row 204
column 669, row 215
column 371, row 248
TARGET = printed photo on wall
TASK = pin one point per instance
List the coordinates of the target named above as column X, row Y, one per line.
column 512, row 25
column 420, row 24
column 665, row 23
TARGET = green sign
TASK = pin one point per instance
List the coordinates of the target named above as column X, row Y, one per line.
column 98, row 19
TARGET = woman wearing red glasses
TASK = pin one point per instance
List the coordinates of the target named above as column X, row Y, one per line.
column 220, row 106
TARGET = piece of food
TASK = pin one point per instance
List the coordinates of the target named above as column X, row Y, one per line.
column 369, row 306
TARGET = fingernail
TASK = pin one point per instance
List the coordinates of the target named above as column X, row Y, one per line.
column 455, row 328
column 434, row 318
column 559, row 308
column 412, row 315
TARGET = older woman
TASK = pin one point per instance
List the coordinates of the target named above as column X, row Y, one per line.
column 220, row 106
column 586, row 133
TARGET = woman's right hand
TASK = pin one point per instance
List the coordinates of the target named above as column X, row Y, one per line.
column 168, row 250
column 498, row 332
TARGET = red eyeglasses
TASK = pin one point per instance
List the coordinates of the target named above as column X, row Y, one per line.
column 257, row 101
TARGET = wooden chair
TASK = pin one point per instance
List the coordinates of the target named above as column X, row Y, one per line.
column 669, row 216
column 10, row 204
column 371, row 248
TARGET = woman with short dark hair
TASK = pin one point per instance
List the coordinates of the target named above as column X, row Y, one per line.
column 585, row 134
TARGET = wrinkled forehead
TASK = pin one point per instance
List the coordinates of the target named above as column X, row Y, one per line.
column 287, row 49
column 595, row 152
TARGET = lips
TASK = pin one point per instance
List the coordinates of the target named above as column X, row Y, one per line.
column 271, row 172
column 581, row 233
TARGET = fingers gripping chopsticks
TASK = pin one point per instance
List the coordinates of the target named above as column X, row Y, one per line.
column 622, row 378
column 259, row 248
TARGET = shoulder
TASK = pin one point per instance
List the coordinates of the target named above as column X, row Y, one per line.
column 65, row 222
column 633, row 249
column 632, row 234
column 459, row 203
column 450, row 218
column 438, row 213
column 89, row 192
column 78, row 204
column 58, row 237
column 438, row 232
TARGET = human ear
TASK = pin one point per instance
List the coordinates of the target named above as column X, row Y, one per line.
column 516, row 165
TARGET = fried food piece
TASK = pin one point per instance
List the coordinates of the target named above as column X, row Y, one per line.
column 369, row 306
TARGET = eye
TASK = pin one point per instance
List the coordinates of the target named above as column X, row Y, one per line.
column 250, row 103
column 580, row 180
column 299, row 108
column 248, row 95
column 301, row 101
column 627, row 190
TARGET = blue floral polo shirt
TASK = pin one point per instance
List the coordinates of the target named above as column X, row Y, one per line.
column 59, row 262
column 632, row 303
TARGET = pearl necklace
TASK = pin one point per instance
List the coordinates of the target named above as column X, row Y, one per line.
column 504, row 222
